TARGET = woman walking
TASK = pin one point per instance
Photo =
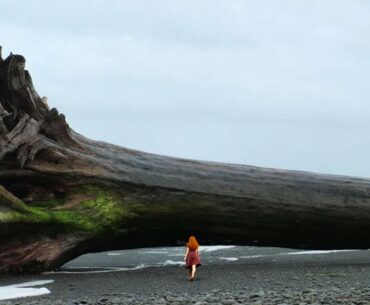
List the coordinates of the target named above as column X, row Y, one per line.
column 192, row 257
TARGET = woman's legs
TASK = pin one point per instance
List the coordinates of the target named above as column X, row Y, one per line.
column 193, row 270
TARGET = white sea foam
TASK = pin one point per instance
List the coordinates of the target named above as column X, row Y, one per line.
column 155, row 252
column 230, row 259
column 85, row 270
column 171, row 263
column 252, row 256
column 315, row 252
column 114, row 253
column 214, row 248
column 22, row 290
column 309, row 252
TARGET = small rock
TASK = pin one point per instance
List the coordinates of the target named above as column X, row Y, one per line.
column 228, row 302
column 258, row 294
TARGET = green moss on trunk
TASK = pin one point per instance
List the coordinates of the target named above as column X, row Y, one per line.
column 104, row 211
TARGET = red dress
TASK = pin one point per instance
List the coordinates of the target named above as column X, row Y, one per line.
column 193, row 258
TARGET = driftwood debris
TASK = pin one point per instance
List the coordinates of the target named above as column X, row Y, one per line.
column 62, row 194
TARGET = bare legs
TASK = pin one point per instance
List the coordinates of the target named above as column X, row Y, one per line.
column 192, row 273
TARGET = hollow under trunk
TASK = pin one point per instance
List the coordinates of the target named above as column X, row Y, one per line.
column 62, row 195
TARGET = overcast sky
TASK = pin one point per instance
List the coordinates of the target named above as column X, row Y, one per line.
column 271, row 83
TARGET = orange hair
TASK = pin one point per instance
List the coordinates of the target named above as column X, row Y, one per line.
column 192, row 243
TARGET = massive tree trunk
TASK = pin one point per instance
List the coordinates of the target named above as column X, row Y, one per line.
column 62, row 195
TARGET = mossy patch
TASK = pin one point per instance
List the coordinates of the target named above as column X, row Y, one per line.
column 104, row 210
column 47, row 204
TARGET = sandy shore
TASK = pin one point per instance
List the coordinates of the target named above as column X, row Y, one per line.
column 255, row 276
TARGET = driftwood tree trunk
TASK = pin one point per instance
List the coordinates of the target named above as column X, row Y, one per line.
column 62, row 195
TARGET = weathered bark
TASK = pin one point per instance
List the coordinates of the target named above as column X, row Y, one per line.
column 63, row 195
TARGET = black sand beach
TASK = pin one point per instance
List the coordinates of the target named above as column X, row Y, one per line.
column 240, row 275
